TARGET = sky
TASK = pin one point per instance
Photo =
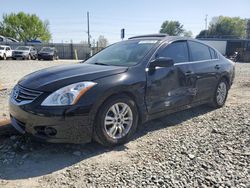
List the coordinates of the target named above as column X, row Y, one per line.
column 68, row 18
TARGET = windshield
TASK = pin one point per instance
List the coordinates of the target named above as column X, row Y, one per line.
column 126, row 53
column 1, row 48
column 22, row 48
column 47, row 50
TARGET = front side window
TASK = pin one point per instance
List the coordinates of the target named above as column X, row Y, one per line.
column 127, row 53
column 178, row 51
column 198, row 51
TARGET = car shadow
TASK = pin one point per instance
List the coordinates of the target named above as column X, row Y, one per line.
column 44, row 158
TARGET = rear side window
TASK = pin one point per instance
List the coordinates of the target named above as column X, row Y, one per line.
column 213, row 53
column 178, row 51
column 199, row 51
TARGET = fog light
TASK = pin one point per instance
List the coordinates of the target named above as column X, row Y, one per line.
column 50, row 131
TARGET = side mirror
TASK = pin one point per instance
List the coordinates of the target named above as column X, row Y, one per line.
column 161, row 62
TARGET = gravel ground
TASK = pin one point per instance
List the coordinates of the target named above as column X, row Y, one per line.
column 12, row 71
column 199, row 147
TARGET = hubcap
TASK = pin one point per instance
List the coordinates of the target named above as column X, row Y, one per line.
column 118, row 120
column 221, row 93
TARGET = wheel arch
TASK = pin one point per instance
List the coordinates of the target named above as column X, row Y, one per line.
column 140, row 108
column 226, row 77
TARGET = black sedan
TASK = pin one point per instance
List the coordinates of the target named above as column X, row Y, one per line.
column 48, row 53
column 126, row 84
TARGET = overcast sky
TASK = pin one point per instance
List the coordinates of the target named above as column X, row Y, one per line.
column 68, row 20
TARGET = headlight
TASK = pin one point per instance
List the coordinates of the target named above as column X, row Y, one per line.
column 68, row 95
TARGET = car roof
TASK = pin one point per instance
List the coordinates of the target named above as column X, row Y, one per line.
column 4, row 46
column 26, row 46
column 161, row 37
column 48, row 47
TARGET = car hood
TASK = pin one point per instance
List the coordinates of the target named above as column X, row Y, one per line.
column 45, row 53
column 20, row 50
column 51, row 79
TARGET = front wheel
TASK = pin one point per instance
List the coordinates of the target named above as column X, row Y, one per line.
column 116, row 121
column 220, row 95
column 29, row 57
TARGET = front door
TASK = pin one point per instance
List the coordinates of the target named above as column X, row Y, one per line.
column 170, row 87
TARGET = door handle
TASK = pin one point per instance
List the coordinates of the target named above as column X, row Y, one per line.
column 217, row 67
column 188, row 73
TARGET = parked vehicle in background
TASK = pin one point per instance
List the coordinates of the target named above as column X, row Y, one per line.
column 34, row 41
column 12, row 39
column 2, row 39
column 7, row 39
column 126, row 84
column 24, row 52
column 5, row 52
column 48, row 53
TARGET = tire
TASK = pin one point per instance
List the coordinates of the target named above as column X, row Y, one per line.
column 220, row 94
column 111, row 128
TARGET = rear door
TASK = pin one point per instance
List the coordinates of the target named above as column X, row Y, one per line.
column 203, row 69
column 169, row 87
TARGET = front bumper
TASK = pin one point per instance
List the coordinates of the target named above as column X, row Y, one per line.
column 45, row 56
column 57, row 126
column 20, row 56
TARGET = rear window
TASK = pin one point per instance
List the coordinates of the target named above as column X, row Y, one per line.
column 199, row 51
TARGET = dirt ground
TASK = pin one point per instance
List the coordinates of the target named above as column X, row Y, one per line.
column 199, row 147
column 12, row 71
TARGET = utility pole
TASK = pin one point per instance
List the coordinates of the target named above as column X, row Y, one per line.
column 206, row 22
column 88, row 29
column 206, row 26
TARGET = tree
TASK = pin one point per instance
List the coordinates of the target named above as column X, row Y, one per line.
column 173, row 28
column 102, row 41
column 187, row 34
column 25, row 27
column 225, row 27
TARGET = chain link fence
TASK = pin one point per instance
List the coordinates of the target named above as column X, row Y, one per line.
column 65, row 50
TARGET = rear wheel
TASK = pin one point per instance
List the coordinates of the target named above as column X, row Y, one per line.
column 220, row 95
column 116, row 121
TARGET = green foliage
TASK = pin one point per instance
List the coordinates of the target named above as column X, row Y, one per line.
column 225, row 27
column 25, row 27
column 173, row 28
column 187, row 34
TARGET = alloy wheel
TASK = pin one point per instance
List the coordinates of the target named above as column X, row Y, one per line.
column 221, row 93
column 118, row 120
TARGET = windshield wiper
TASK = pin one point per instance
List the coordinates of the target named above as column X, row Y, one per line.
column 98, row 63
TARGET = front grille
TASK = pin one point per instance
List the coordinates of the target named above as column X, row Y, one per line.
column 20, row 94
column 18, row 53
